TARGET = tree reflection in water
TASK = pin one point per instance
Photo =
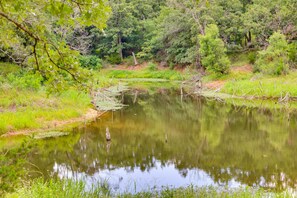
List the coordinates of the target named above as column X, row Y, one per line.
column 161, row 140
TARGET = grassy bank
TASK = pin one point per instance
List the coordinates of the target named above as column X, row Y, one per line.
column 241, row 81
column 145, row 73
column 26, row 109
column 66, row 189
column 25, row 104
column 265, row 86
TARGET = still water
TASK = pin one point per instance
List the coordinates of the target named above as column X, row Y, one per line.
column 160, row 140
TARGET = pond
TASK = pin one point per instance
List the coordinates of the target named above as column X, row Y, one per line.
column 161, row 139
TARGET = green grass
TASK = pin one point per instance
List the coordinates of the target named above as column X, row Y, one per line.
column 66, row 189
column 263, row 86
column 233, row 75
column 158, row 74
column 27, row 109
column 240, row 59
column 7, row 68
column 24, row 104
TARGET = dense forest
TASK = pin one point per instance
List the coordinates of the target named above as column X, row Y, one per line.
column 174, row 33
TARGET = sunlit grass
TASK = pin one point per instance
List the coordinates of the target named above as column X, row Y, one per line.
column 266, row 86
column 7, row 68
column 25, row 109
column 158, row 74
column 66, row 188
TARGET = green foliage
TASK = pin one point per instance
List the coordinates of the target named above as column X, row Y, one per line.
column 163, row 74
column 292, row 52
column 114, row 59
column 7, row 68
column 127, row 27
column 171, row 65
column 252, row 56
column 129, row 61
column 152, row 66
column 262, row 86
column 240, row 59
column 12, row 161
column 68, row 188
column 172, row 37
column 91, row 62
column 33, row 33
column 212, row 51
column 59, row 188
column 27, row 108
column 25, row 80
column 263, row 18
column 275, row 59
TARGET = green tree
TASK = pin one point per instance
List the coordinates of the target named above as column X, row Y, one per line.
column 35, row 31
column 274, row 59
column 127, row 28
column 263, row 18
column 212, row 51
column 228, row 17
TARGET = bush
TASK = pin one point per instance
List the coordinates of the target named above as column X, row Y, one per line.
column 90, row 62
column 24, row 80
column 275, row 59
column 292, row 50
column 213, row 51
column 129, row 61
column 152, row 66
column 114, row 59
column 252, row 57
column 171, row 65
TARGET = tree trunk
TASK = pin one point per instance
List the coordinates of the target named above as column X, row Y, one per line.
column 134, row 57
column 248, row 37
column 120, row 46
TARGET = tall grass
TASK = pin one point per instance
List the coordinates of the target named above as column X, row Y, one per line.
column 158, row 74
column 265, row 86
column 28, row 109
column 25, row 104
column 67, row 189
column 58, row 189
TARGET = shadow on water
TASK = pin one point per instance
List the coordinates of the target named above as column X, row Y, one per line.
column 159, row 140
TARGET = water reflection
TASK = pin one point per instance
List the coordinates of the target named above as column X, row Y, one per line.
column 160, row 141
column 136, row 180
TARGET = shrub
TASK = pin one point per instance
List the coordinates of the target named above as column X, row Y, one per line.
column 91, row 62
column 152, row 66
column 129, row 61
column 213, row 51
column 114, row 59
column 171, row 65
column 25, row 80
column 292, row 50
column 275, row 59
column 252, row 57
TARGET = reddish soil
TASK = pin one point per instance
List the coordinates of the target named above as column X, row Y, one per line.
column 214, row 84
column 246, row 68
column 217, row 84
column 130, row 67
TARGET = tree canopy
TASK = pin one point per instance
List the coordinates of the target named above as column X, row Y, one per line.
column 50, row 36
column 34, row 35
